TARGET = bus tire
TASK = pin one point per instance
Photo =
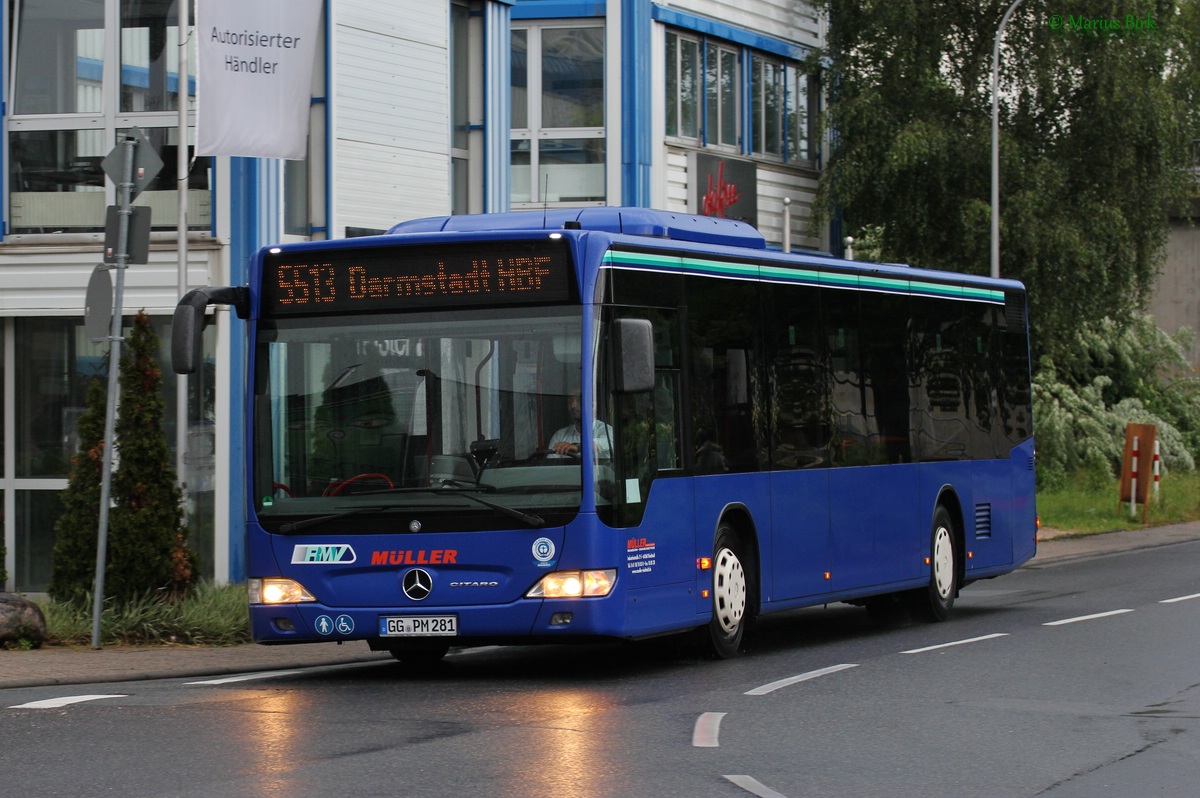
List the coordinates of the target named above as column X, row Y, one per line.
column 935, row 601
column 725, row 633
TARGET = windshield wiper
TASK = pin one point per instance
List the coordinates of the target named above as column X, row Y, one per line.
column 304, row 523
column 534, row 521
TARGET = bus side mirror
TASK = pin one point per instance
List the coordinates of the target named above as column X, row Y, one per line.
column 633, row 346
column 187, row 325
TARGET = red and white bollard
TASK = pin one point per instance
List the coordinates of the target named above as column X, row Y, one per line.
column 1133, row 481
column 1157, row 469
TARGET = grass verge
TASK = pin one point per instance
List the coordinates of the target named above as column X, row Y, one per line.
column 213, row 615
column 1087, row 505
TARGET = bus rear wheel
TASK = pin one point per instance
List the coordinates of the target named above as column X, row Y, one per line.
column 725, row 633
column 935, row 601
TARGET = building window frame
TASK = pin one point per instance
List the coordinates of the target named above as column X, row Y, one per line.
column 548, row 154
column 774, row 124
column 54, row 182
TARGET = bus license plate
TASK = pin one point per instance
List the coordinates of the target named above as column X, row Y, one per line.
column 418, row 626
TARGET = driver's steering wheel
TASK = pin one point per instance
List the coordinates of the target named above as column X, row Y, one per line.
column 336, row 487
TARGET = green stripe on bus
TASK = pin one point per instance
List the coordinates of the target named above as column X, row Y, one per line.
column 862, row 282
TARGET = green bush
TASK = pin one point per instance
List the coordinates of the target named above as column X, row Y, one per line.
column 1119, row 375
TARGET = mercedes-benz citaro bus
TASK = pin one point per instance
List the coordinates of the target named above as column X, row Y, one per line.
column 615, row 423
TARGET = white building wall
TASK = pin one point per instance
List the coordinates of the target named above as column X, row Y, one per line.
column 774, row 185
column 390, row 112
column 792, row 20
column 45, row 280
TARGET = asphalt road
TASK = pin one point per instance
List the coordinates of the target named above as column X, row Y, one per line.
column 1077, row 677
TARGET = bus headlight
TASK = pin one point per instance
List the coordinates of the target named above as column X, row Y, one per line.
column 275, row 590
column 574, row 584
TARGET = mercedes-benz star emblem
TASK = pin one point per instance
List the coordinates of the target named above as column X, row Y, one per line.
column 418, row 584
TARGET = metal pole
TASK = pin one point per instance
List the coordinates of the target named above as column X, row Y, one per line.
column 124, row 211
column 181, row 226
column 995, row 271
column 787, row 224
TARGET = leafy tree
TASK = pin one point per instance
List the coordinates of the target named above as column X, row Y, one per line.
column 73, row 576
column 1096, row 133
column 147, row 543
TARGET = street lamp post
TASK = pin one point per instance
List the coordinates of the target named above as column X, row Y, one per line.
column 996, row 140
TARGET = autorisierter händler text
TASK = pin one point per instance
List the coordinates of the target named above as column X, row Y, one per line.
column 246, row 38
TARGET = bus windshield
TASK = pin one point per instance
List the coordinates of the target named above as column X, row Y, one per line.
column 449, row 416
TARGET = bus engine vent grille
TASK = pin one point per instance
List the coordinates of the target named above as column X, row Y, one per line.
column 983, row 520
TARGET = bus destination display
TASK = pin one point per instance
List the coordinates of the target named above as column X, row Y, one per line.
column 401, row 278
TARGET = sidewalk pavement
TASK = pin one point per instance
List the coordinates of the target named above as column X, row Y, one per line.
column 62, row 665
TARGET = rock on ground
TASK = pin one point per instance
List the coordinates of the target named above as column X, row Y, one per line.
column 21, row 619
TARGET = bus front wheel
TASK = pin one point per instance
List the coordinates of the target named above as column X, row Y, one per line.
column 420, row 657
column 934, row 601
column 725, row 633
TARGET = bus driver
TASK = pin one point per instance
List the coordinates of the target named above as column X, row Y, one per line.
column 566, row 442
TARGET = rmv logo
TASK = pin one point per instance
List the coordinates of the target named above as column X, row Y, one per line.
column 320, row 554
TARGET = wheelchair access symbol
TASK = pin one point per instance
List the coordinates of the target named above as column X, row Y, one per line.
column 344, row 625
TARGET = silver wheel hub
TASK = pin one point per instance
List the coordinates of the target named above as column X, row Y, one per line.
column 729, row 590
column 943, row 562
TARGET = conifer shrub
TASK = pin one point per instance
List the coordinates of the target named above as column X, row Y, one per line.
column 72, row 578
column 147, row 541
column 147, row 547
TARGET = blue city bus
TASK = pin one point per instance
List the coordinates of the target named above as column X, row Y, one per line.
column 616, row 423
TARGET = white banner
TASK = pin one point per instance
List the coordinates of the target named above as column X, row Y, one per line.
column 254, row 74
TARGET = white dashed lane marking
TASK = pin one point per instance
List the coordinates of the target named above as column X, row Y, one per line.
column 803, row 677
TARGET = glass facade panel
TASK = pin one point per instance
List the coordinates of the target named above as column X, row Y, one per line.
column 37, row 512
column 767, row 101
column 683, row 86
column 522, row 170
column 573, row 77
column 59, row 57
column 571, row 170
column 150, row 56
column 689, row 88
column 3, row 378
column 56, row 180
column 798, row 124
column 160, row 193
column 721, row 89
column 520, row 79
column 52, row 376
